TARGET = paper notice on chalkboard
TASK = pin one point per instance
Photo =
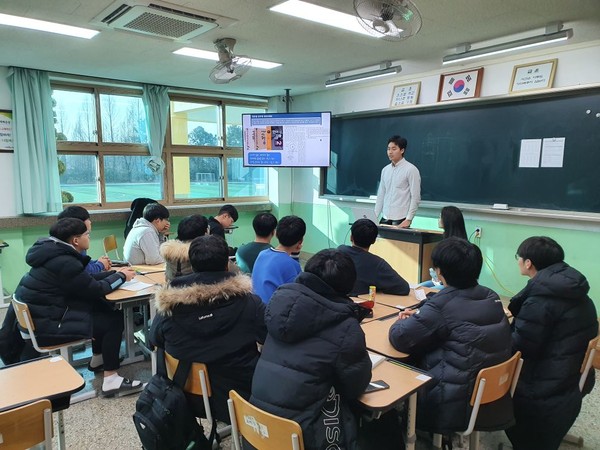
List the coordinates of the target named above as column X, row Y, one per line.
column 530, row 153
column 553, row 152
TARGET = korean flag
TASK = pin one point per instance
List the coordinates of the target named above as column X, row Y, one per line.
column 459, row 85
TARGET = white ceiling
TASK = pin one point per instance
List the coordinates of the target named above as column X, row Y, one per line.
column 309, row 52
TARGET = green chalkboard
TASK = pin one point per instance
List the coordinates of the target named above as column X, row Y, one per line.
column 469, row 153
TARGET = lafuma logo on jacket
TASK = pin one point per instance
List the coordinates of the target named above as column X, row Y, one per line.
column 207, row 316
column 331, row 421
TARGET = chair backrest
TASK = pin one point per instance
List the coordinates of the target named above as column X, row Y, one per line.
column 197, row 382
column 26, row 426
column 591, row 359
column 110, row 244
column 493, row 383
column 23, row 315
column 261, row 429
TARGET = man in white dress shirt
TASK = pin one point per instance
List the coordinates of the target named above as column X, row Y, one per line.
column 399, row 191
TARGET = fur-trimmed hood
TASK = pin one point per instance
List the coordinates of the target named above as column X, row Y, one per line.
column 175, row 250
column 202, row 289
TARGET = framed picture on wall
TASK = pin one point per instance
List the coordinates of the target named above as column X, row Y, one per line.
column 460, row 85
column 533, row 76
column 405, row 94
column 6, row 140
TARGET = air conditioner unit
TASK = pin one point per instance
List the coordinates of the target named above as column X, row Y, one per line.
column 160, row 20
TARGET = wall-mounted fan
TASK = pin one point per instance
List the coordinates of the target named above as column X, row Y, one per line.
column 392, row 20
column 230, row 67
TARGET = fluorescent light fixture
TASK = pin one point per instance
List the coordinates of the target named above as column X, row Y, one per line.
column 214, row 56
column 319, row 14
column 50, row 27
column 385, row 71
column 519, row 44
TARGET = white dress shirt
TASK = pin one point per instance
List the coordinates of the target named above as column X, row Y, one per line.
column 399, row 191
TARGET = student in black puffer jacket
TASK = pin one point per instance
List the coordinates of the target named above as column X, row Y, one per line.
column 67, row 303
column 211, row 316
column 554, row 322
column 456, row 333
column 314, row 362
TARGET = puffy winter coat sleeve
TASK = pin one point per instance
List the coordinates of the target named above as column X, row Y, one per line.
column 261, row 328
column 389, row 281
column 421, row 332
column 156, row 337
column 353, row 365
column 78, row 283
column 532, row 327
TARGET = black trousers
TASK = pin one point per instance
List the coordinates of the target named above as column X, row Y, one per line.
column 107, row 334
column 391, row 222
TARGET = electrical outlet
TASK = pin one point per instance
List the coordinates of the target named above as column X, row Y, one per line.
column 477, row 232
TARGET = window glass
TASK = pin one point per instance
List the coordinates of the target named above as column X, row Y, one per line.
column 123, row 119
column 245, row 181
column 126, row 178
column 79, row 178
column 197, row 177
column 233, row 121
column 195, row 124
column 74, row 116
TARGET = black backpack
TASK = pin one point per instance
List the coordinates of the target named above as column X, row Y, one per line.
column 163, row 418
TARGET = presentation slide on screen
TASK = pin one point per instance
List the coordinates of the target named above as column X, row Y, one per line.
column 287, row 140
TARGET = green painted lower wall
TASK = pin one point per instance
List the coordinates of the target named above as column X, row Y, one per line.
column 328, row 226
column 12, row 259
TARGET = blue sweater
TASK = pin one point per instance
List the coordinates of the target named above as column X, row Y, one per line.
column 272, row 269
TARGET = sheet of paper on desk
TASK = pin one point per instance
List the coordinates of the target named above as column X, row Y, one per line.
column 376, row 359
column 134, row 285
column 420, row 294
column 423, row 377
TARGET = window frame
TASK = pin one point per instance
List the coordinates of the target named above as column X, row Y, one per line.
column 170, row 150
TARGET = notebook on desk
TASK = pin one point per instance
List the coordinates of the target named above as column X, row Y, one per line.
column 365, row 213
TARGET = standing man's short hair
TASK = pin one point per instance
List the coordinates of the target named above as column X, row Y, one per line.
column 542, row 251
column 334, row 268
column 74, row 212
column 264, row 224
column 231, row 210
column 399, row 141
column 209, row 254
column 364, row 233
column 290, row 230
column 459, row 262
column 155, row 211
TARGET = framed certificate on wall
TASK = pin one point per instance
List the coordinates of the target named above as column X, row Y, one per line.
column 533, row 76
column 6, row 139
column 405, row 94
column 460, row 85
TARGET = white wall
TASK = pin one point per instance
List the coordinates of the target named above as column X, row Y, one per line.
column 577, row 65
column 7, row 203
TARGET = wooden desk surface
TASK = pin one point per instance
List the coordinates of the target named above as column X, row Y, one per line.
column 38, row 379
column 379, row 310
column 376, row 335
column 154, row 279
column 403, row 382
column 393, row 300
column 145, row 269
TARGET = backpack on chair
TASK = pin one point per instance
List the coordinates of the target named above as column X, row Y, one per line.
column 163, row 418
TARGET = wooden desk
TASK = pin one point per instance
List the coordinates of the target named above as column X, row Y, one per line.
column 126, row 300
column 376, row 335
column 394, row 300
column 379, row 310
column 146, row 269
column 404, row 382
column 52, row 378
column 407, row 250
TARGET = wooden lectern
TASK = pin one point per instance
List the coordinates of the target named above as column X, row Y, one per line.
column 407, row 250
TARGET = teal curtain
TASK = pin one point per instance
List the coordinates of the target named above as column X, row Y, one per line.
column 156, row 105
column 35, row 161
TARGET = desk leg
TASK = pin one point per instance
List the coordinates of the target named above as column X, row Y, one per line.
column 411, row 419
column 130, row 356
column 61, row 431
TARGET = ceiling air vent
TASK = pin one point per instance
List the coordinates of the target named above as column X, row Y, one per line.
column 158, row 20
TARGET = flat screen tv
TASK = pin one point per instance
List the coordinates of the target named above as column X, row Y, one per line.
column 287, row 139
